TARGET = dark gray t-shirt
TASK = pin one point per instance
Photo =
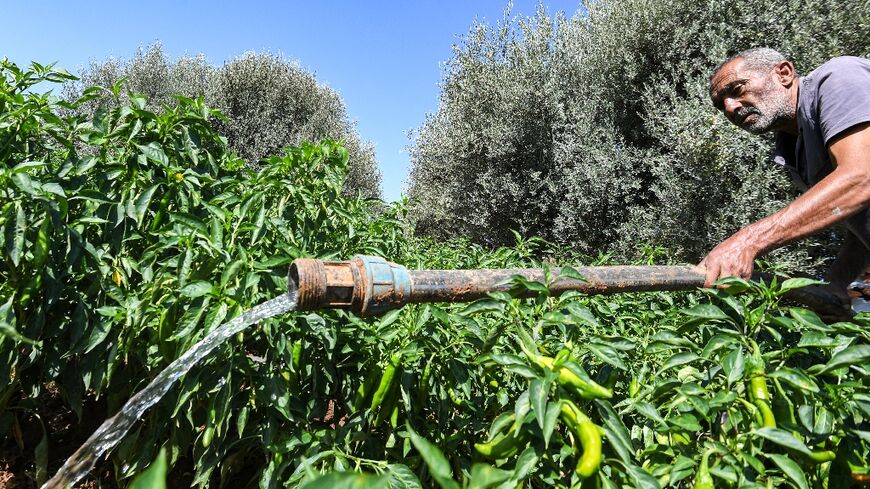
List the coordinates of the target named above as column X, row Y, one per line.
column 833, row 98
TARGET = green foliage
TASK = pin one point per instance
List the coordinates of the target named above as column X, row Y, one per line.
column 128, row 236
column 269, row 102
column 597, row 131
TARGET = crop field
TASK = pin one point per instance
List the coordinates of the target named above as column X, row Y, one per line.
column 129, row 236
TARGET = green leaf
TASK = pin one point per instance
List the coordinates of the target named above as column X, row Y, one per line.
column 401, row 477
column 347, row 480
column 191, row 222
column 215, row 317
column 798, row 282
column 40, row 458
column 484, row 476
column 642, row 479
column 783, row 438
column 196, row 289
column 568, row 272
column 15, row 246
column 617, row 433
column 678, row 360
column 706, row 311
column 482, row 306
column 526, row 462
column 27, row 165
column 808, row 319
column 539, row 392
column 790, row 469
column 733, row 364
column 650, row 412
column 231, row 271
column 435, row 460
column 853, row 355
column 7, row 325
column 796, row 378
column 553, row 410
column 154, row 152
column 817, row 339
column 607, row 354
column 142, row 202
column 154, row 477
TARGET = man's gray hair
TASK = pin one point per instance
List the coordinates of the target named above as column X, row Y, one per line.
column 756, row 59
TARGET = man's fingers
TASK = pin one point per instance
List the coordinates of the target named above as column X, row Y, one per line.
column 712, row 274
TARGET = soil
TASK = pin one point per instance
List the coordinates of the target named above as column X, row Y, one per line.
column 65, row 434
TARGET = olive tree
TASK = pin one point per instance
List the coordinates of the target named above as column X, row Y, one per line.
column 269, row 102
column 596, row 130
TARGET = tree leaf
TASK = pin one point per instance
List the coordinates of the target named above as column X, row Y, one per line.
column 617, row 433
column 15, row 245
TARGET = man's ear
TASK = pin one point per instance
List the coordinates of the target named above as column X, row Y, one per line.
column 785, row 73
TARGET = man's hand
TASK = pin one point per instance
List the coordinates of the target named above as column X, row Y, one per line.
column 733, row 257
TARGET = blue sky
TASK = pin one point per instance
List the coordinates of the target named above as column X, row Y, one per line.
column 384, row 57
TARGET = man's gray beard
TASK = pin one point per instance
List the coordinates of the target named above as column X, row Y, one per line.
column 772, row 111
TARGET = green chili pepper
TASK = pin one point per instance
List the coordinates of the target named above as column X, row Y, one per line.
column 423, row 391
column 822, row 456
column 585, row 388
column 161, row 212
column 703, row 479
column 296, row 356
column 389, row 404
column 588, row 435
column 40, row 249
column 386, row 381
column 364, row 392
column 768, row 420
column 504, row 442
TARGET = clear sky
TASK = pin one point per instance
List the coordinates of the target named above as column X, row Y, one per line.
column 384, row 57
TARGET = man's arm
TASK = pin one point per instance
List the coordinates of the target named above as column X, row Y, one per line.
column 842, row 193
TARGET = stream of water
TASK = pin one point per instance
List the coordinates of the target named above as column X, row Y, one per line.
column 113, row 429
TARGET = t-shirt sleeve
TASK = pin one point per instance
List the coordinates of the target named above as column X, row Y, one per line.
column 843, row 95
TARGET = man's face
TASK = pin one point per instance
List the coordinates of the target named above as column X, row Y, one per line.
column 752, row 100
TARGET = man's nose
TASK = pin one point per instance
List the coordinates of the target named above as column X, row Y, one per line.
column 731, row 106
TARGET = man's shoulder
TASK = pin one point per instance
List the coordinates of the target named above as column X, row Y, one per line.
column 841, row 65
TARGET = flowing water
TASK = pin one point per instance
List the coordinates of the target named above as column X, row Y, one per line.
column 113, row 429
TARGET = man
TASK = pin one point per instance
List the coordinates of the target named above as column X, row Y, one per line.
column 822, row 127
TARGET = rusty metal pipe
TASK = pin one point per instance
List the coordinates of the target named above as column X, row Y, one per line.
column 369, row 285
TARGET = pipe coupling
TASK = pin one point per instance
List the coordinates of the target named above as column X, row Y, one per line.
column 365, row 285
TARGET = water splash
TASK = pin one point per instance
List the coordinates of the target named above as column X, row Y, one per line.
column 113, row 429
